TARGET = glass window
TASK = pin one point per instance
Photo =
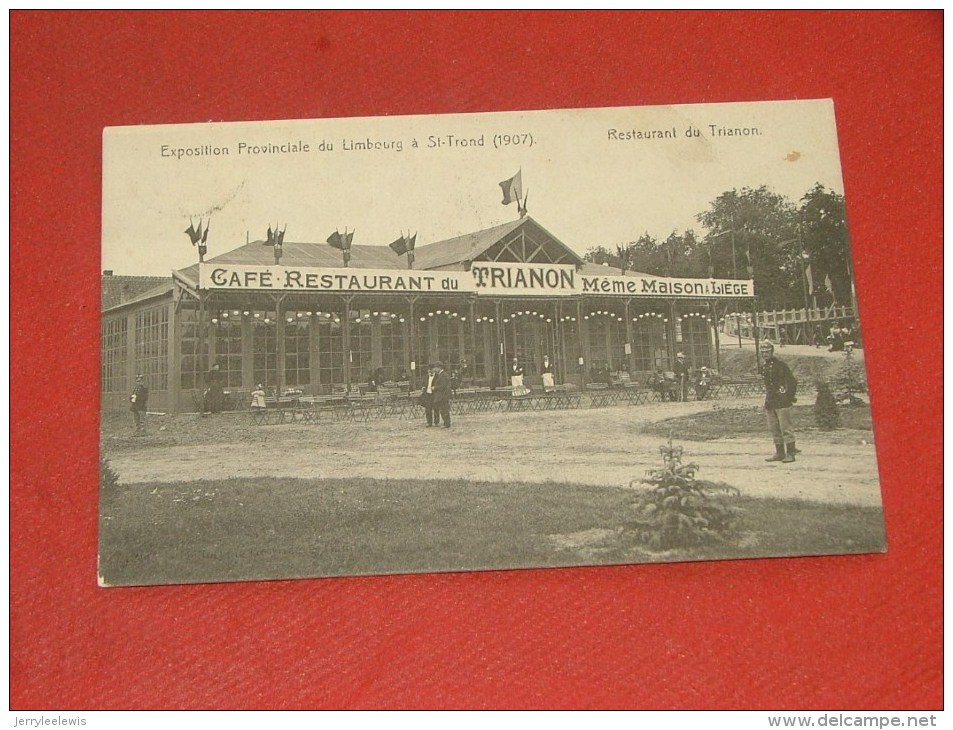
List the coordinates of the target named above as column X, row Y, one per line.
column 297, row 352
column 330, row 352
column 228, row 350
column 695, row 340
column 193, row 364
column 152, row 347
column 114, row 355
column 649, row 350
column 393, row 357
column 361, row 352
column 606, row 342
column 265, row 350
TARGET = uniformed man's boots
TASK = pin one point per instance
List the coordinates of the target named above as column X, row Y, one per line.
column 778, row 454
column 789, row 457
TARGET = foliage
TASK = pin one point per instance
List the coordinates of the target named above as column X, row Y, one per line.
column 756, row 228
column 823, row 218
column 826, row 415
column 849, row 380
column 676, row 512
column 752, row 230
column 108, row 478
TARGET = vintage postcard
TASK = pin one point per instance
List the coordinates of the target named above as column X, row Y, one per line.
column 480, row 341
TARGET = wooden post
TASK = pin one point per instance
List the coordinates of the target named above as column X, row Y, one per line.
column 713, row 313
column 279, row 342
column 629, row 336
column 346, row 326
column 413, row 342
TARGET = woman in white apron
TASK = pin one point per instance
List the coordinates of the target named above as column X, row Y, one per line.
column 548, row 373
column 516, row 377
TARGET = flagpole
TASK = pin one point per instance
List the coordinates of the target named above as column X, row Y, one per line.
column 807, row 303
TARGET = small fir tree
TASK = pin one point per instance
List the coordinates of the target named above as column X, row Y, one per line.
column 677, row 512
column 849, row 380
column 825, row 408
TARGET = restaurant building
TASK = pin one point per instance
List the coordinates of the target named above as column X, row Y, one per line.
column 474, row 302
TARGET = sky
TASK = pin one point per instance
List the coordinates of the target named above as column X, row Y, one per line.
column 589, row 177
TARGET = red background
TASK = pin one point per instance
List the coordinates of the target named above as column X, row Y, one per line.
column 826, row 633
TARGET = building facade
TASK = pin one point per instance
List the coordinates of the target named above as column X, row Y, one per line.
column 474, row 302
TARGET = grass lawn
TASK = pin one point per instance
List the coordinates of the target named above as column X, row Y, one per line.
column 750, row 421
column 239, row 529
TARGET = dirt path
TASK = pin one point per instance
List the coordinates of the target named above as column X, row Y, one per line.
column 600, row 447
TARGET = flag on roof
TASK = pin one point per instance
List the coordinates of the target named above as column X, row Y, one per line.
column 342, row 241
column 205, row 234
column 513, row 188
column 404, row 244
column 399, row 246
column 194, row 235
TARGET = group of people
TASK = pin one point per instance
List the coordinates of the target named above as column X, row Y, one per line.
column 435, row 395
column 780, row 388
column 517, row 372
column 840, row 338
column 677, row 383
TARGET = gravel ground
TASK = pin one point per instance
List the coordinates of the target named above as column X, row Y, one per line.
column 605, row 446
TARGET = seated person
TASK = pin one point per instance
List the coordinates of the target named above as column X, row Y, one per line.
column 702, row 383
column 377, row 378
column 258, row 398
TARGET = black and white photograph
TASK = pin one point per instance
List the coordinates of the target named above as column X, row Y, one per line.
column 578, row 337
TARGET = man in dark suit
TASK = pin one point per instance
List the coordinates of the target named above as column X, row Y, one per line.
column 681, row 376
column 426, row 398
column 214, row 393
column 441, row 394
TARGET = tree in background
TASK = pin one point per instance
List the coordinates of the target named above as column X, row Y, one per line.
column 785, row 245
column 749, row 228
column 823, row 219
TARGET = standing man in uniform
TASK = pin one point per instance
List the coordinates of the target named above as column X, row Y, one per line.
column 139, row 399
column 780, row 388
column 441, row 394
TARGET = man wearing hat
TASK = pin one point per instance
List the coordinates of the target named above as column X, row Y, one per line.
column 780, row 388
column 138, row 399
column 681, row 376
column 426, row 397
column 441, row 394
